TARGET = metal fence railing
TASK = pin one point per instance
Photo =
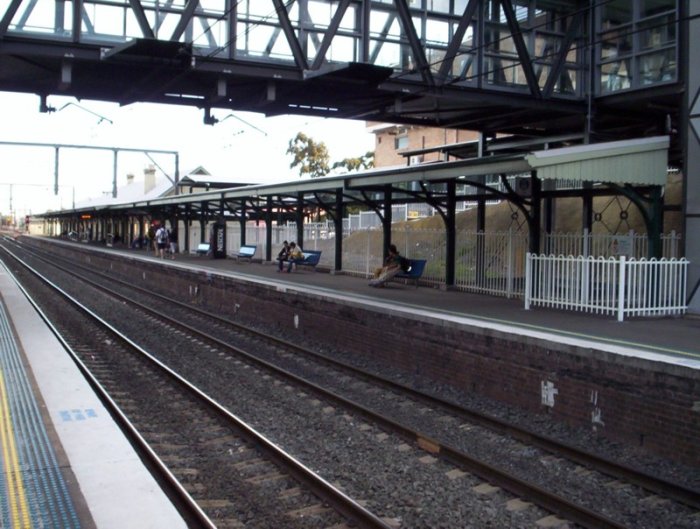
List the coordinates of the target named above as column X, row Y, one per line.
column 607, row 285
column 629, row 244
column 491, row 263
column 363, row 251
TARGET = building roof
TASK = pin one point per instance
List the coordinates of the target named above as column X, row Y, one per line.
column 134, row 191
column 202, row 177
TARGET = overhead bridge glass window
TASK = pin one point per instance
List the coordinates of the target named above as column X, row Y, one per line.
column 637, row 43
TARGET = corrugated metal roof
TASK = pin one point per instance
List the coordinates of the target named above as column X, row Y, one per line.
column 641, row 161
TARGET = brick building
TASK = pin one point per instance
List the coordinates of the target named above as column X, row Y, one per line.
column 395, row 143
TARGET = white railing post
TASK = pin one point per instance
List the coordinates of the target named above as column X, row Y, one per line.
column 528, row 279
column 586, row 264
column 621, row 290
column 683, row 294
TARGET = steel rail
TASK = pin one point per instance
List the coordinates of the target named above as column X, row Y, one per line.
column 342, row 503
column 127, row 426
column 668, row 489
column 521, row 488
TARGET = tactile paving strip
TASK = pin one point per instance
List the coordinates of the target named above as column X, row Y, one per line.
column 33, row 493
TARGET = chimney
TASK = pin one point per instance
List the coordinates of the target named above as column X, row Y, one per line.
column 149, row 179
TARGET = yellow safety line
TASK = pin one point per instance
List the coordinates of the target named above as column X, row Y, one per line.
column 15, row 486
column 5, row 451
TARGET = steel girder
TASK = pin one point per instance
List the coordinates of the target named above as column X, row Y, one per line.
column 196, row 63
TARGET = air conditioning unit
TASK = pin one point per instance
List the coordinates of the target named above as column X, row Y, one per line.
column 523, row 186
column 415, row 159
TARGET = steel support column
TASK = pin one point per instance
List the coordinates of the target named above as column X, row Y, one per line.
column 587, row 207
column 242, row 221
column 690, row 138
column 268, row 229
column 534, row 220
column 221, row 222
column 338, row 227
column 300, row 220
column 142, row 231
column 450, row 233
column 386, row 221
column 480, row 229
column 203, row 223
column 548, row 210
column 188, row 225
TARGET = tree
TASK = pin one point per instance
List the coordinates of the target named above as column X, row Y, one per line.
column 311, row 157
column 365, row 161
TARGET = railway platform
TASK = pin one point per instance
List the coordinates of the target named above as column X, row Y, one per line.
column 636, row 382
column 65, row 462
column 669, row 339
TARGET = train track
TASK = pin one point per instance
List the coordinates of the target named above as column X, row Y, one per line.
column 308, row 373
column 223, row 473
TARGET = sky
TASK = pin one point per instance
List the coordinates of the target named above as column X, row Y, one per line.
column 243, row 147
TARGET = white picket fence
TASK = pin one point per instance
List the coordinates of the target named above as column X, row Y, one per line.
column 607, row 285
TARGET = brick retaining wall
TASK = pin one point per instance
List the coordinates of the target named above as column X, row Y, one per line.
column 645, row 403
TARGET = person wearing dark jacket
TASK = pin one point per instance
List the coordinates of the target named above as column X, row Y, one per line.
column 392, row 266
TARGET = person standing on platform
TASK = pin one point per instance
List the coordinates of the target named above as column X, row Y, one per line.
column 162, row 240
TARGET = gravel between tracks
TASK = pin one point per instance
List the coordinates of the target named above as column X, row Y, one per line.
column 406, row 484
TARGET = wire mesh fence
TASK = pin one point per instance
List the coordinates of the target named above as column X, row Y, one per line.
column 491, row 263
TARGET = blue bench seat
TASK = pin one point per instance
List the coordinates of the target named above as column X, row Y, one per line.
column 415, row 271
column 246, row 252
column 311, row 258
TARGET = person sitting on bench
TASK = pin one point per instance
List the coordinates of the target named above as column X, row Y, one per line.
column 392, row 266
column 295, row 253
column 283, row 253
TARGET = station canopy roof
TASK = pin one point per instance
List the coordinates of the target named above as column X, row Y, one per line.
column 638, row 162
